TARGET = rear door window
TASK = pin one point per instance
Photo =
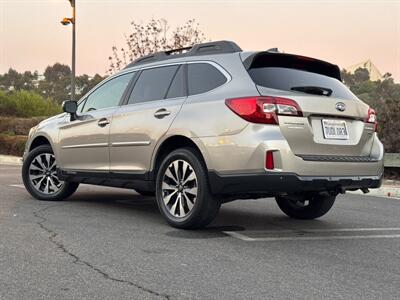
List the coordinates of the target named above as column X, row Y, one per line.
column 153, row 84
column 204, row 77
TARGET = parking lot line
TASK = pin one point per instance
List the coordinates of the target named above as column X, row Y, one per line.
column 314, row 234
column 18, row 185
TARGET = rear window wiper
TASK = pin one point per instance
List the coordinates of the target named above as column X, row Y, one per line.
column 314, row 90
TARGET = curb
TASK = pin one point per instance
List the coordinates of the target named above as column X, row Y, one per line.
column 387, row 192
column 10, row 160
column 389, row 189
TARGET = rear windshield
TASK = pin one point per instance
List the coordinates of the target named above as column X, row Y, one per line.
column 293, row 80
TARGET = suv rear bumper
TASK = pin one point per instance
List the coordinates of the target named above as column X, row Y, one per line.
column 278, row 183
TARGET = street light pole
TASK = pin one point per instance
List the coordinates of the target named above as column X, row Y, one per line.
column 73, row 50
column 67, row 21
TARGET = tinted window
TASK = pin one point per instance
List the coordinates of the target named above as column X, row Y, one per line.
column 109, row 94
column 152, row 84
column 291, row 79
column 203, row 77
column 177, row 88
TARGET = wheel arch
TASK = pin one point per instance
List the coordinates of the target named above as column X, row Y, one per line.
column 172, row 143
column 39, row 141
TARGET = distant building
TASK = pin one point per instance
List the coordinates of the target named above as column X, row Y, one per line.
column 36, row 81
column 374, row 73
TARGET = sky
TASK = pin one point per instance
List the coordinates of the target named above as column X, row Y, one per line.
column 343, row 32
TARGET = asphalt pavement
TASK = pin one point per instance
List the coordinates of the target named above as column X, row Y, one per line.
column 105, row 243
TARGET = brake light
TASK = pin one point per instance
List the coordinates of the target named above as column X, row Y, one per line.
column 372, row 118
column 263, row 110
column 269, row 160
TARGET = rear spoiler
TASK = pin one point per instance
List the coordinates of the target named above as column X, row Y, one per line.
column 282, row 60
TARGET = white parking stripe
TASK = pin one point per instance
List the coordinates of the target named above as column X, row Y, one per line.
column 18, row 185
column 304, row 230
column 239, row 236
column 296, row 235
column 309, row 238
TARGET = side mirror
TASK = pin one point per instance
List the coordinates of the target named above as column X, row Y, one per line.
column 70, row 107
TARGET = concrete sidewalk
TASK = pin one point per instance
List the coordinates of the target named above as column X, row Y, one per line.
column 389, row 188
column 10, row 160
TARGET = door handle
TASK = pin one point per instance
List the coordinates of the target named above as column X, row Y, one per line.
column 103, row 122
column 161, row 113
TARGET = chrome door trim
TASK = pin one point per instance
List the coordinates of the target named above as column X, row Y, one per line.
column 95, row 145
column 138, row 143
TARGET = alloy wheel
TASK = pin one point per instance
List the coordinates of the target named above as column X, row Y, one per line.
column 43, row 174
column 179, row 188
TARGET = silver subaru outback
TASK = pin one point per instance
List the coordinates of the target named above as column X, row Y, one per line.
column 201, row 126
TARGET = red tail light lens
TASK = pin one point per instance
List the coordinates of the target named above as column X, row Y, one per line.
column 269, row 160
column 263, row 110
column 372, row 118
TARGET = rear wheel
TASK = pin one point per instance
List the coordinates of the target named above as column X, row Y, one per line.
column 182, row 191
column 306, row 207
column 39, row 174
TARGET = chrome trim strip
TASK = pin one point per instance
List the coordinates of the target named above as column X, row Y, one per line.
column 138, row 143
column 95, row 145
column 337, row 158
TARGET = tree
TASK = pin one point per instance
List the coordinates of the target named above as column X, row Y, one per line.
column 154, row 36
column 384, row 97
column 57, row 82
column 84, row 83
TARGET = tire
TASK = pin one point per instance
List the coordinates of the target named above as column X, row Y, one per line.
column 310, row 207
column 40, row 177
column 188, row 190
column 146, row 193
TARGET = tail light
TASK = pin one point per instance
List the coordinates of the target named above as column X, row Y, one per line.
column 263, row 110
column 372, row 118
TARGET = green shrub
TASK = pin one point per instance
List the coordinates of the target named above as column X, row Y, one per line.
column 7, row 106
column 27, row 104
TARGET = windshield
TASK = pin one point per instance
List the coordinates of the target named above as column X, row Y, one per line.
column 300, row 81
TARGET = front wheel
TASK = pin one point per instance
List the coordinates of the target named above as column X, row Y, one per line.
column 39, row 174
column 182, row 191
column 306, row 207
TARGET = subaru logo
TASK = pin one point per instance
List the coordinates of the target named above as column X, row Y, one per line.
column 340, row 106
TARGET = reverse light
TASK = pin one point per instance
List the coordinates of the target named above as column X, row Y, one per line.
column 263, row 110
column 372, row 118
column 269, row 160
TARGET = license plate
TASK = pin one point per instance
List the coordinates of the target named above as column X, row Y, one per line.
column 335, row 130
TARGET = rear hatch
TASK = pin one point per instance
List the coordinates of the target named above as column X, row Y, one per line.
column 333, row 121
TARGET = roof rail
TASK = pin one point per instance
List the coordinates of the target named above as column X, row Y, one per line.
column 217, row 47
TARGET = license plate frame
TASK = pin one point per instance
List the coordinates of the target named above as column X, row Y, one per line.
column 335, row 129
